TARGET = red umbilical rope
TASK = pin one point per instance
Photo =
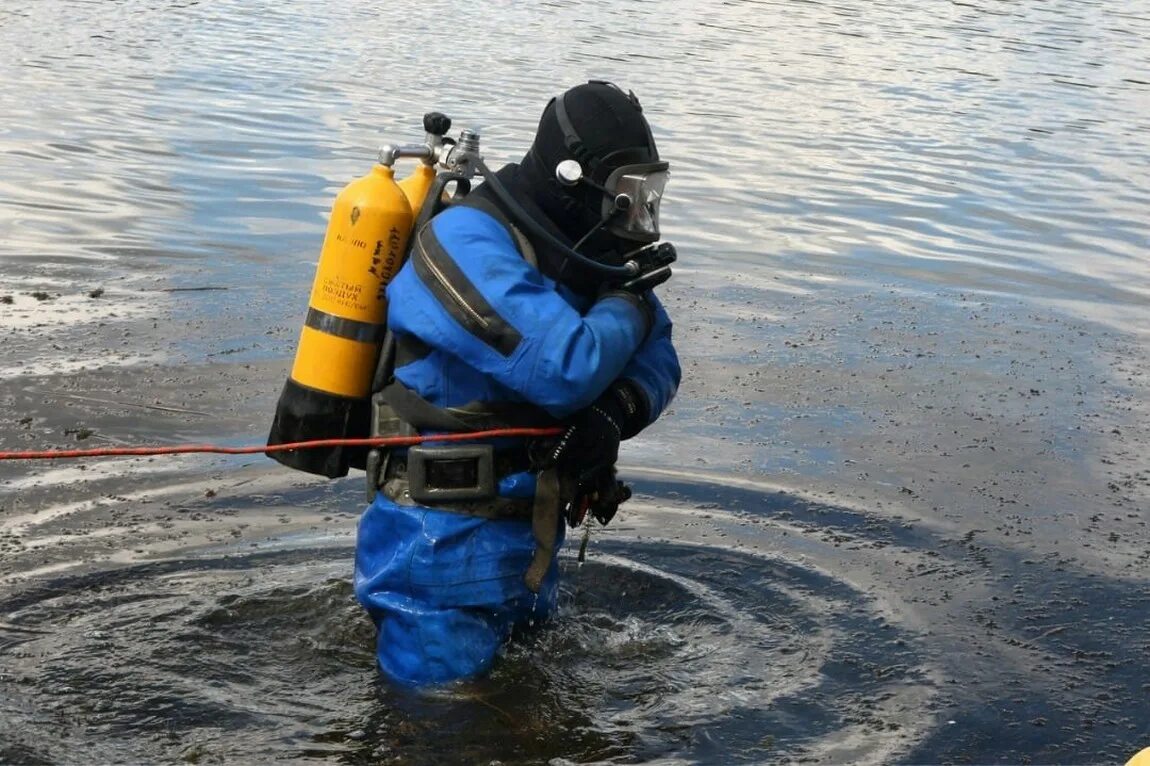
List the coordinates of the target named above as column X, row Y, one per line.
column 179, row 449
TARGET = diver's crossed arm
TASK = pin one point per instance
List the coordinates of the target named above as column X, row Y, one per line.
column 654, row 369
column 467, row 291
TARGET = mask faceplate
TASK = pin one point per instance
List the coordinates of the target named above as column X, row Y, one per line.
column 642, row 184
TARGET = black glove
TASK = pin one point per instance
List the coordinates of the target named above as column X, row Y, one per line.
column 591, row 442
column 601, row 495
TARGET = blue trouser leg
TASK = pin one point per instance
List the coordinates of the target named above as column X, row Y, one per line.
column 445, row 589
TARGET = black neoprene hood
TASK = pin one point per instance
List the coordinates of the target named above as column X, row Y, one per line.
column 599, row 126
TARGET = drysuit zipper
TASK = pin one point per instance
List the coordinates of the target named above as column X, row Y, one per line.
column 446, row 285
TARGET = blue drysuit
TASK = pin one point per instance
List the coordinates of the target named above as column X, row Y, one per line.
column 446, row 589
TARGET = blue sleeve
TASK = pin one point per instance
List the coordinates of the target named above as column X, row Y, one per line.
column 654, row 368
column 467, row 291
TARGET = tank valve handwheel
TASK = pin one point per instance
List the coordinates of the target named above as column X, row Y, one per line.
column 436, row 123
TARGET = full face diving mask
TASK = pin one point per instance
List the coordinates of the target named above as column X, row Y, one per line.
column 631, row 197
column 650, row 264
column 631, row 201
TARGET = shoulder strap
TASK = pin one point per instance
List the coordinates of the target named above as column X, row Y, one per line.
column 421, row 414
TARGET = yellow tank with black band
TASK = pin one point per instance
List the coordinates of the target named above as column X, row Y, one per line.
column 366, row 239
column 327, row 393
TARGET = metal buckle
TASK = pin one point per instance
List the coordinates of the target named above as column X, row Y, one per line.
column 464, row 472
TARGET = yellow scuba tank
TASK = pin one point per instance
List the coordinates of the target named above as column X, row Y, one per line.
column 327, row 395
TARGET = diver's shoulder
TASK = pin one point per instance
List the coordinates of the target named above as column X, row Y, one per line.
column 464, row 219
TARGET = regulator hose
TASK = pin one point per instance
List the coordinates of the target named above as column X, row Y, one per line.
column 523, row 218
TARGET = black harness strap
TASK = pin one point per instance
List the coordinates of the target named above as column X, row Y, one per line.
column 474, row 416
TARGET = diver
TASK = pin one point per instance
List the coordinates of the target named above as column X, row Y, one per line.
column 512, row 311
